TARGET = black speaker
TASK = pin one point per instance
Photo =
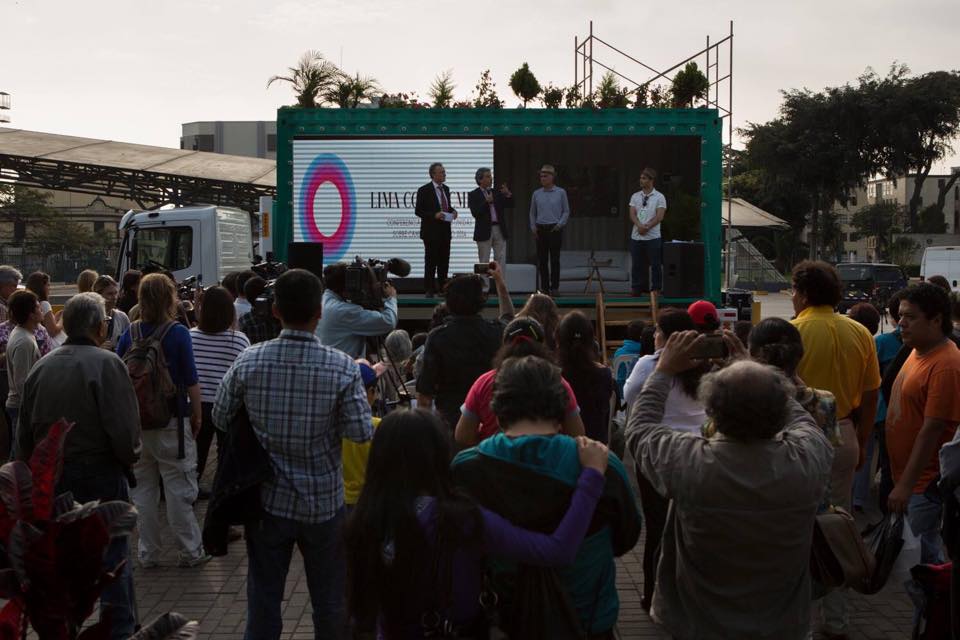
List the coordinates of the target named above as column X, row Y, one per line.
column 306, row 255
column 683, row 269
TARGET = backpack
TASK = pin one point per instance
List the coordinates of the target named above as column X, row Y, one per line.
column 151, row 379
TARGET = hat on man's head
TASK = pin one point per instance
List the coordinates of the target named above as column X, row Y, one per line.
column 548, row 168
column 370, row 372
column 704, row 315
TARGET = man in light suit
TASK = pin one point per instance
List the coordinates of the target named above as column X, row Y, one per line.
column 436, row 215
column 488, row 208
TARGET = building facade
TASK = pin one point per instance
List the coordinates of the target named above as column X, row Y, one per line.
column 254, row 139
column 899, row 191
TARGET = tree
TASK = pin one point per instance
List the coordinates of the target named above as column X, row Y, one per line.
column 552, row 97
column 441, row 91
column 362, row 88
column 572, row 98
column 879, row 221
column 487, row 97
column 930, row 220
column 816, row 147
column 310, row 78
column 902, row 250
column 688, row 86
column 609, row 93
column 524, row 84
column 340, row 92
column 914, row 121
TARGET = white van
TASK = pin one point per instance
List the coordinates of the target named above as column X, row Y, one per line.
column 941, row 261
column 204, row 241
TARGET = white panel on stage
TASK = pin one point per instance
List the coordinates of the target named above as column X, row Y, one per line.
column 357, row 196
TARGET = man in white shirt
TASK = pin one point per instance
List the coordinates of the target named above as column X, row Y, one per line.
column 22, row 351
column 647, row 209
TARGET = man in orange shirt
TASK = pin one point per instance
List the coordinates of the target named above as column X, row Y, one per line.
column 924, row 412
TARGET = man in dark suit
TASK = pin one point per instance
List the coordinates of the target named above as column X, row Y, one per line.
column 435, row 213
column 489, row 208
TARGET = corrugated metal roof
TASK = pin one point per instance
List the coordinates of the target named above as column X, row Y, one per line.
column 138, row 157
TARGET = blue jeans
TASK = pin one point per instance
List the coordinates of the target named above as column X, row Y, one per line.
column 269, row 547
column 99, row 481
column 924, row 515
column 646, row 269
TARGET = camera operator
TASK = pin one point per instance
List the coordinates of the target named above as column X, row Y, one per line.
column 259, row 325
column 345, row 325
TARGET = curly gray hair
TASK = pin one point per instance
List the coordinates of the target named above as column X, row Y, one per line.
column 747, row 400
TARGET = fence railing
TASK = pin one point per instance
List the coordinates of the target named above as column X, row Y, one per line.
column 61, row 267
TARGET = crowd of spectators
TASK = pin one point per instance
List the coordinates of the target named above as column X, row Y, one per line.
column 440, row 484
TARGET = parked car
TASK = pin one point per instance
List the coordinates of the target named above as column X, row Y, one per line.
column 869, row 282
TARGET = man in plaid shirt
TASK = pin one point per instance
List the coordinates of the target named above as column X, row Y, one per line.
column 302, row 398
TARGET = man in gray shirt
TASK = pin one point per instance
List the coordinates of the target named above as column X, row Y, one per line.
column 735, row 557
column 549, row 213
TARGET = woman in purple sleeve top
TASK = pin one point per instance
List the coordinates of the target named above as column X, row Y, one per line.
column 409, row 511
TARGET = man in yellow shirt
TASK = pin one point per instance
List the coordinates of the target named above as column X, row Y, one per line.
column 839, row 355
column 354, row 454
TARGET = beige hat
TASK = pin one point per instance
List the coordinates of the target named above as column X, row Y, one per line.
column 548, row 168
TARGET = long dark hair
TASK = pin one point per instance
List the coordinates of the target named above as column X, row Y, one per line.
column 776, row 342
column 576, row 349
column 129, row 285
column 389, row 558
column 669, row 321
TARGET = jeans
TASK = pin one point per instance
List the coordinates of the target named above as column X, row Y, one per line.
column 923, row 515
column 654, row 508
column 548, row 256
column 863, row 478
column 269, row 547
column 646, row 269
column 205, row 438
column 90, row 482
column 158, row 463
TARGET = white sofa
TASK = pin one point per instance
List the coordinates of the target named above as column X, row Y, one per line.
column 575, row 269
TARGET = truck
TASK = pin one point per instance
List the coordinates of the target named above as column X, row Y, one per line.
column 202, row 241
column 941, row 261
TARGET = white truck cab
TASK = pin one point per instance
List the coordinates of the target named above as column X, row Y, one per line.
column 206, row 241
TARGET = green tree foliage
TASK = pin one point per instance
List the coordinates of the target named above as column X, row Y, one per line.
column 913, row 120
column 48, row 231
column 441, row 91
column 902, row 250
column 609, row 94
column 524, row 84
column 931, row 220
column 689, row 85
column 552, row 96
column 572, row 98
column 312, row 76
column 487, row 97
column 880, row 221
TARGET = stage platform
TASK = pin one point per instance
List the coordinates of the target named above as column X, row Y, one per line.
column 415, row 307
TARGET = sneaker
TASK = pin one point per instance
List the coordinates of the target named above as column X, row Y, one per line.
column 190, row 563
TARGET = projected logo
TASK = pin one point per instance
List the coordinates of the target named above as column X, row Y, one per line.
column 328, row 167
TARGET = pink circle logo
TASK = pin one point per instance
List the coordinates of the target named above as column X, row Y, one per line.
column 328, row 167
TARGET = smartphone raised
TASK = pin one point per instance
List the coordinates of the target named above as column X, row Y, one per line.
column 481, row 268
column 710, row 347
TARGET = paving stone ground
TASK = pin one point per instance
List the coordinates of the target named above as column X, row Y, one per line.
column 215, row 595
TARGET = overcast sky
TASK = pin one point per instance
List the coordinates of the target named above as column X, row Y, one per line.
column 134, row 70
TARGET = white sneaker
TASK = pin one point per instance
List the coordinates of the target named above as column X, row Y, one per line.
column 189, row 563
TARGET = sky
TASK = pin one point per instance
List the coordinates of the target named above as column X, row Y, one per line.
column 134, row 70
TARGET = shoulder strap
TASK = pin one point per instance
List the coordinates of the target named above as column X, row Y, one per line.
column 135, row 331
column 164, row 330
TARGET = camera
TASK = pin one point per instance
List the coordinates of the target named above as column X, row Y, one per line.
column 365, row 280
column 263, row 305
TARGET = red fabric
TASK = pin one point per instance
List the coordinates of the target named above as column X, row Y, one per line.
column 480, row 395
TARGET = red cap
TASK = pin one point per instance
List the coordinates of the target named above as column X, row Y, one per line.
column 703, row 313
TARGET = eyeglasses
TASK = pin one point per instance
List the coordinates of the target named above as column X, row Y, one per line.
column 646, row 198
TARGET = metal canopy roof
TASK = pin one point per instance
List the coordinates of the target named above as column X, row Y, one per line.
column 145, row 174
column 744, row 214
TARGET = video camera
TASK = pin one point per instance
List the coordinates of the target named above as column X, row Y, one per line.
column 365, row 280
column 269, row 271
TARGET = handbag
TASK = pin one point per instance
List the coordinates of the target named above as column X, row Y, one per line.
column 838, row 555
